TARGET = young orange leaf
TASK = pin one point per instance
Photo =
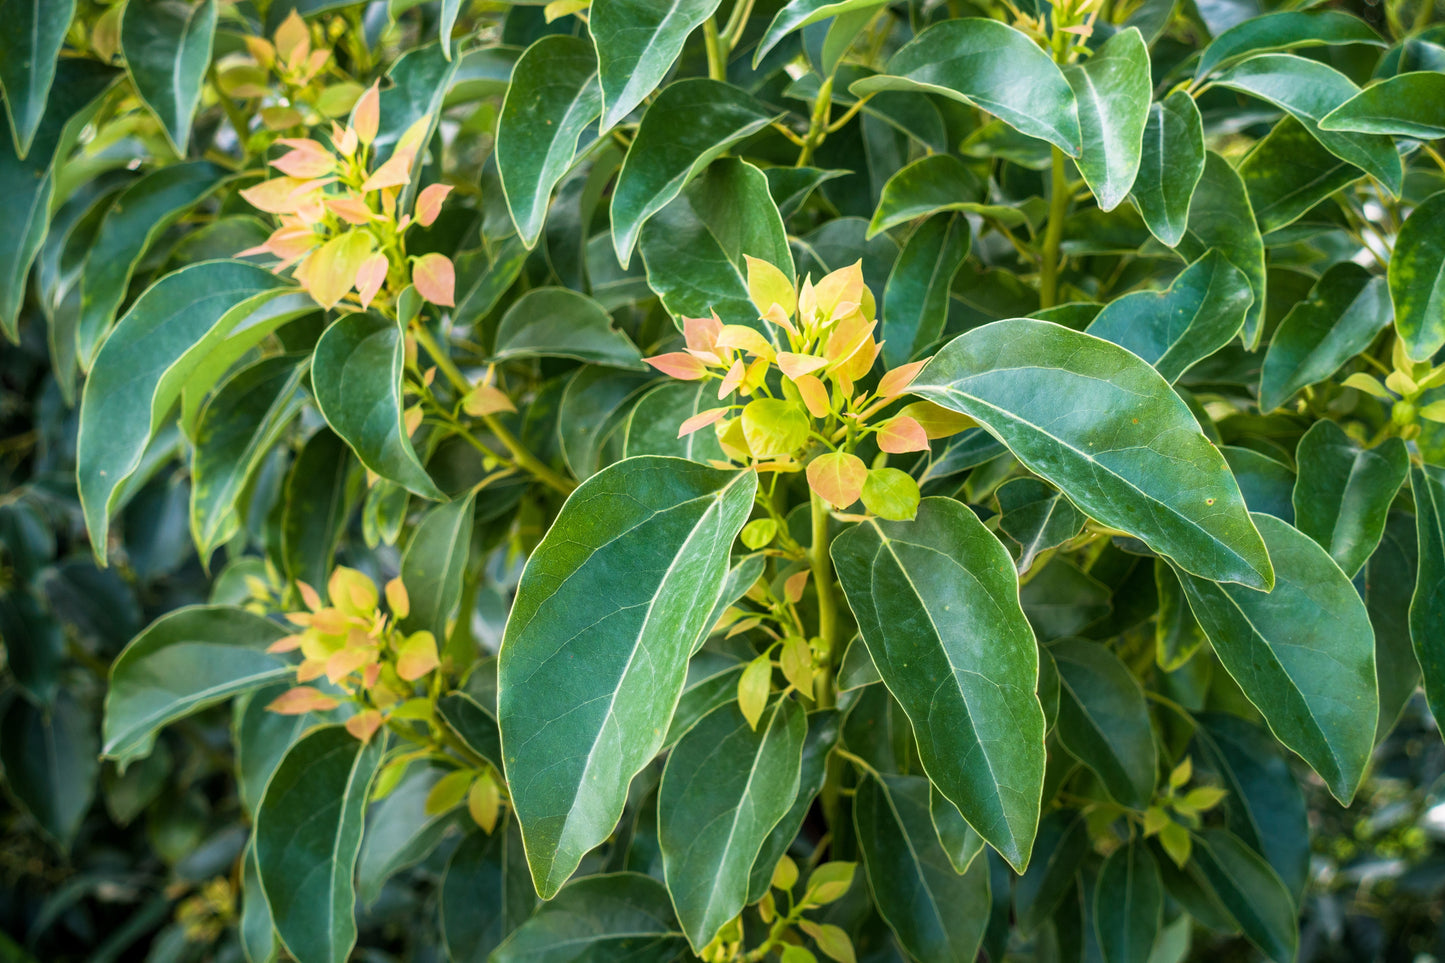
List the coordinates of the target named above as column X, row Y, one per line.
column 700, row 420
column 301, row 700
column 396, row 172
column 815, row 395
column 366, row 115
column 417, row 656
column 309, row 596
column 370, row 277
column 363, row 725
column 397, row 599
column 937, row 421
column 293, row 39
column 288, row 643
column 902, row 434
column 279, row 195
column 306, row 158
column 744, row 338
column 797, row 365
column 435, row 279
column 837, row 477
column 732, row 379
column 678, row 364
column 330, row 272
column 794, row 585
column 351, row 209
column 701, row 334
column 487, row 400
column 429, row 203
column 895, row 382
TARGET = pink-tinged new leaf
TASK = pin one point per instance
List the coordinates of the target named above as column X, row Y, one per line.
column 366, row 115
column 902, row 434
column 435, row 279
column 363, row 725
column 396, row 172
column 815, row 395
column 351, row 209
column 417, row 656
column 307, row 158
column 797, row 365
column 702, row 333
column 331, row 270
column 937, row 421
column 429, row 203
column 837, row 477
column 301, row 700
column 289, row 643
column 279, row 195
column 678, row 364
column 794, row 585
column 700, row 420
column 895, row 382
column 293, row 39
column 370, row 277
column 732, row 379
column 744, row 338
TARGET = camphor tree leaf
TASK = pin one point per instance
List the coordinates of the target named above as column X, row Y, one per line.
column 493, row 867
column 937, row 602
column 1113, row 91
column 1410, row 105
column 167, row 47
column 797, row 14
column 1427, row 605
column 915, row 300
column 1308, row 90
column 1104, row 720
column 49, row 755
column 1285, row 30
column 1289, row 172
column 1417, row 279
column 637, row 44
column 1345, row 309
column 29, row 46
column 1037, row 516
column 166, row 335
column 1171, row 161
column 725, row 787
column 559, row 323
column 1389, row 581
column 1244, row 884
column 1344, row 491
column 930, row 185
column 1201, row 312
column 356, row 375
column 319, row 495
column 1106, row 428
column 992, row 66
column 1220, row 217
column 433, row 565
column 606, row 918
column 693, row 248
column 823, row 727
column 1128, row 904
column 553, row 96
column 652, row 424
column 595, row 651
column 936, row 913
column 689, row 125
column 308, row 834
column 183, row 662
column 1063, row 842
column 420, row 79
column 1303, row 653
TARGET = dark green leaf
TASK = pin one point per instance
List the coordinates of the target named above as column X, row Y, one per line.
column 1344, row 491
column 637, row 44
column 653, row 424
column 29, row 45
column 1410, row 105
column 1037, row 516
column 1389, row 581
column 1289, row 172
column 797, row 14
column 609, row 918
column 592, row 416
column 1244, row 883
column 1267, row 483
column 1104, row 720
column 556, row 322
column 1177, row 635
column 262, row 738
column 1427, row 606
column 939, row 182
column 433, row 565
column 1220, row 217
column 167, row 48
column 320, row 493
column 955, row 835
column 258, row 936
column 1417, row 279
column 473, row 724
column 400, row 832
column 34, row 644
column 1128, row 904
column 1113, row 91
column 915, row 300
column 1170, row 165
column 1285, row 31
column 50, row 763
column 822, row 736
column 485, row 894
column 1063, row 842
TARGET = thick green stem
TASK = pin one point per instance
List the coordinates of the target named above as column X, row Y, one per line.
column 717, row 56
column 1054, row 232
column 822, row 568
column 818, row 124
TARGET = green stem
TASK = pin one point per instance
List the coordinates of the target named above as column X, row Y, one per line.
column 737, row 23
column 822, row 568
column 1054, row 232
column 717, row 57
column 818, row 124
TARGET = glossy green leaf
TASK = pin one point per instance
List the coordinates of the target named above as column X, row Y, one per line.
column 1244, row 883
column 637, row 44
column 552, row 98
column 936, row 914
column 823, row 727
column 262, row 738
column 1104, row 720
column 50, row 762
column 166, row 335
column 1128, row 904
column 308, row 834
column 34, row 644
column 1107, row 429
column 797, row 14
column 1063, row 842
column 608, row 918
column 236, row 430
column 992, row 66
column 485, row 894
column 1308, row 90
column 592, row 416
column 1220, row 217
column 915, row 300
column 556, row 322
column 1304, row 654
column 1037, row 516
column 1389, row 582
column 1171, row 162
column 622, row 583
column 955, row 835
column 320, row 493
column 693, row 248
column 1289, row 172
column 725, row 787
column 937, row 602
column 1344, row 491
column 167, row 47
column 434, row 563
column 189, row 659
column 420, row 79
column 1410, row 105
column 1113, row 91
column 400, row 832
column 356, row 375
column 1417, row 279
column 710, row 684
column 29, row 46
column 930, row 185
column 653, row 424
column 690, row 124
column 473, row 723
column 1286, row 30
column 1427, row 605
column 1345, row 310
column 1177, row 635
column 258, row 936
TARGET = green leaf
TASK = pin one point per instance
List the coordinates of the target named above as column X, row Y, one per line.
column 1410, row 105
column 693, row 248
column 400, row 832
column 1344, row 491
column 1104, row 720
column 937, row 602
column 987, row 64
column 185, row 661
column 936, row 913
column 257, row 935
column 637, row 44
column 593, row 414
column 1220, row 217
column 308, row 834
column 1128, row 904
column 688, row 125
column 420, row 79
column 1345, row 309
column 320, row 493
column 1289, row 172
column 725, row 787
column 167, row 48
column 1063, row 842
column 608, row 918
column 356, row 375
column 50, row 762
column 1285, row 31
column 1107, row 429
column 1201, row 312
column 1171, row 163
column 930, row 185
column 1113, row 91
column 1417, row 279
column 473, row 724
column 262, row 739
column 822, row 736
column 172, row 330
column 1304, row 654
column 237, row 429
column 434, row 563
column 797, row 14
column 29, row 46
column 485, row 894
column 955, row 835
column 653, row 424
column 1427, row 605
column 558, row 323
column 1177, row 635
column 1037, row 516
column 1308, row 90
column 703, row 693
column 1389, row 581
column 610, row 606
column 915, row 300
column 1252, row 893
column 554, row 95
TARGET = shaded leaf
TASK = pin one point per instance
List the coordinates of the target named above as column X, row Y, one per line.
column 1344, row 491
column 167, row 47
